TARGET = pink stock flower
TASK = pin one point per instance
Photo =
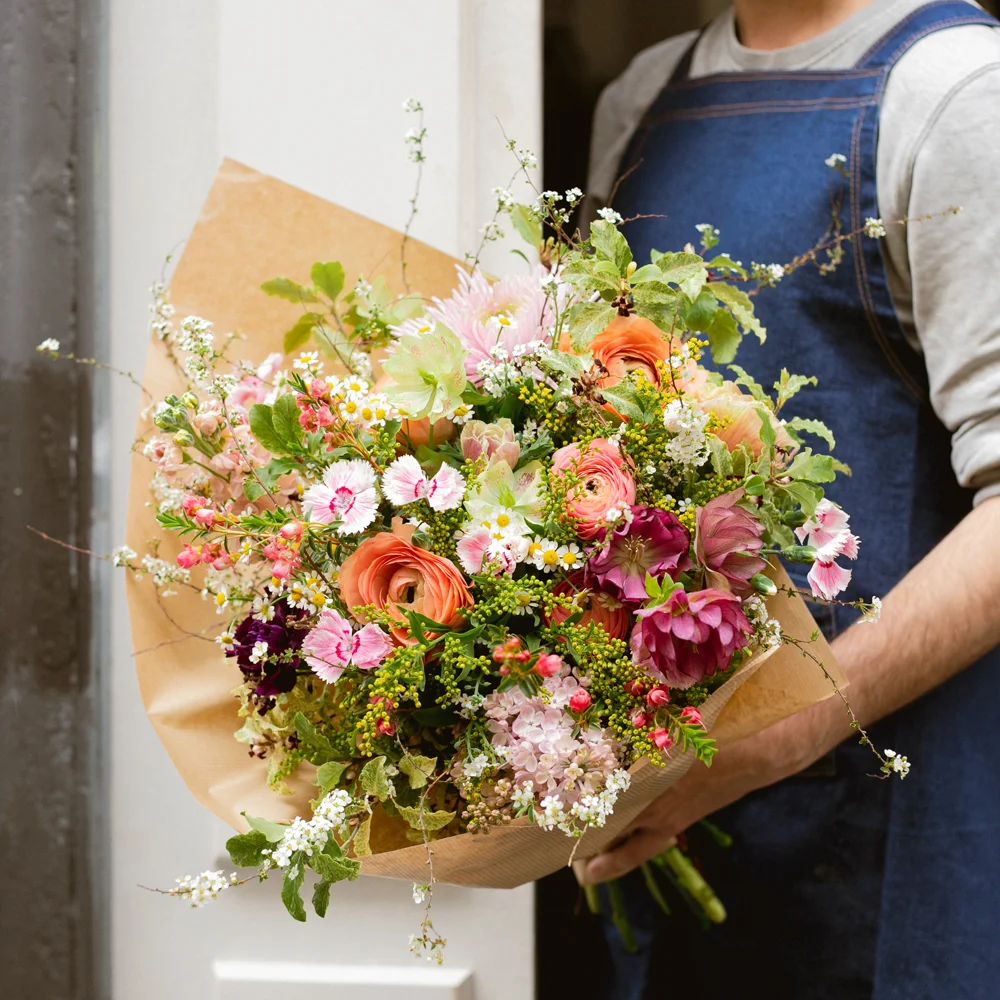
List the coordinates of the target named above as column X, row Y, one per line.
column 404, row 481
column 347, row 494
column 209, row 417
column 471, row 307
column 603, row 483
column 652, row 541
column 827, row 530
column 726, row 542
column 689, row 636
column 331, row 647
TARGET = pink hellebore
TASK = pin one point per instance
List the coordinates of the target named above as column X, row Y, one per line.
column 331, row 646
column 405, row 482
column 650, row 541
column 727, row 542
column 495, row 441
column 827, row 530
column 689, row 636
column 347, row 494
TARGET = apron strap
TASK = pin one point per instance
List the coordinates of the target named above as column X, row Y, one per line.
column 683, row 68
column 918, row 24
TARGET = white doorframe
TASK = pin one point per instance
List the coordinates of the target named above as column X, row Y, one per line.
column 311, row 91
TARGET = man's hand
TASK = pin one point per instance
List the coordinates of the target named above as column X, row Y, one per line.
column 937, row 620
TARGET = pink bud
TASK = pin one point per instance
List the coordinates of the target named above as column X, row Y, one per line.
column 190, row 504
column 317, row 388
column 640, row 720
column 692, row 715
column 634, row 688
column 579, row 700
column 291, row 529
column 385, row 727
column 188, row 557
column 222, row 562
column 205, row 516
column 504, row 670
column 281, row 569
column 523, row 656
column 548, row 665
column 661, row 738
column 499, row 654
column 658, row 697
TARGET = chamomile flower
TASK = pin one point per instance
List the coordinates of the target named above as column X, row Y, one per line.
column 308, row 361
column 570, row 556
column 545, row 555
column 221, row 598
column 226, row 640
column 263, row 610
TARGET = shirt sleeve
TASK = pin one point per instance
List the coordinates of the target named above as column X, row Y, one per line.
column 953, row 266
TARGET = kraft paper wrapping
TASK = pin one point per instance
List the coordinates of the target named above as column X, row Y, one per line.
column 253, row 227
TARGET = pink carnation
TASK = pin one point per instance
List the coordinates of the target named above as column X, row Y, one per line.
column 347, row 495
column 331, row 647
column 828, row 531
column 726, row 542
column 689, row 636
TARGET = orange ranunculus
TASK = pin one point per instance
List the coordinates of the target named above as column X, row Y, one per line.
column 601, row 609
column 604, row 483
column 390, row 572
column 740, row 414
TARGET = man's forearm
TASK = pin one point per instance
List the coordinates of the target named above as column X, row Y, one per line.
column 940, row 618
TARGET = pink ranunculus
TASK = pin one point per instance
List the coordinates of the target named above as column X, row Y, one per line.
column 495, row 441
column 604, row 483
column 689, row 636
column 739, row 415
column 331, row 646
column 347, row 495
column 650, row 541
column 727, row 541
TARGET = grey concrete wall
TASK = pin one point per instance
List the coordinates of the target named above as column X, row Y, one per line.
column 49, row 798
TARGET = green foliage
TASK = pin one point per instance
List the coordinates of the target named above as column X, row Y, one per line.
column 796, row 426
column 588, row 321
column 285, row 288
column 317, row 747
column 246, row 849
column 374, row 780
column 328, row 278
column 814, row 468
column 291, row 887
column 417, row 768
column 610, row 245
column 424, row 820
column 527, row 224
column 298, row 336
column 328, row 775
column 750, row 384
column 321, row 898
column 740, row 305
column 723, row 337
column 788, row 385
column 273, row 831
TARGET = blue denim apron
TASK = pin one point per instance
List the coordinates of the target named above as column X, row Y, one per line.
column 839, row 886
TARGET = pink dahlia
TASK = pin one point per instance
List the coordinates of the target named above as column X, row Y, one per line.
column 471, row 310
column 689, row 636
column 727, row 541
column 650, row 541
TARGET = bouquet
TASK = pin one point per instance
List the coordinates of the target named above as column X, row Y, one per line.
column 478, row 572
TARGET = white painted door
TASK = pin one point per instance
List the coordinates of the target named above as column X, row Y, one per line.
column 310, row 91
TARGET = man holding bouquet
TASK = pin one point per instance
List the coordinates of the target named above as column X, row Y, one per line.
column 782, row 121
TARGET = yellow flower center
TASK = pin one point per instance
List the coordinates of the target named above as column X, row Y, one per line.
column 569, row 558
column 550, row 558
column 503, row 520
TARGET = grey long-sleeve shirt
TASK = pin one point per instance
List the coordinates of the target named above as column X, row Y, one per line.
column 938, row 145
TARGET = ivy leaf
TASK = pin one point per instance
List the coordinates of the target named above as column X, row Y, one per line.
column 321, row 897
column 291, row 888
column 610, row 245
column 589, row 322
column 299, row 334
column 817, row 427
column 814, row 468
column 285, row 288
column 273, row 831
column 527, row 224
column 328, row 278
column 418, row 769
column 362, row 838
column 430, row 822
column 740, row 305
column 285, row 420
column 701, row 312
column 374, row 780
column 246, row 849
column 262, row 428
column 328, row 776
column 723, row 337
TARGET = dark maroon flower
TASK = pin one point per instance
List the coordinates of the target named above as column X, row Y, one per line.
column 726, row 542
column 689, row 636
column 276, row 673
column 653, row 541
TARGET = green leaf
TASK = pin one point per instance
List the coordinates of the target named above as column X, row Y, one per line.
column 328, row 278
column 806, row 495
column 527, row 224
column 328, row 776
column 754, row 486
column 657, row 302
column 374, row 780
column 589, row 322
column 692, row 287
column 285, row 420
column 334, row 869
column 623, row 398
column 610, row 245
column 748, row 382
column 319, row 749
column 788, row 385
column 291, row 888
column 273, row 831
column 285, row 288
column 678, row 267
column 701, row 312
column 299, row 334
column 648, row 272
column 418, row 769
column 362, row 839
column 252, row 490
column 767, row 434
column 246, row 849
column 814, row 468
column 579, row 272
column 722, row 460
column 429, row 822
column 723, row 337
column 262, row 428
column 652, row 587
column 740, row 305
column 804, row 425
column 321, row 898
column 726, row 263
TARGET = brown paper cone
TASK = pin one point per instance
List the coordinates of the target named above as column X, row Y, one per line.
column 252, row 228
